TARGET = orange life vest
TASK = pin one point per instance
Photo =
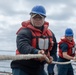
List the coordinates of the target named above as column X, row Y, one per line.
column 37, row 33
column 70, row 50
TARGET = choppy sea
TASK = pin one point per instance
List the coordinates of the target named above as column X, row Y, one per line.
column 5, row 64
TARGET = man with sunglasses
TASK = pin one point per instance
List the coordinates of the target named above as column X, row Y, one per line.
column 34, row 37
column 66, row 52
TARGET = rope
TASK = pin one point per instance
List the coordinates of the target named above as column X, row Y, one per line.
column 55, row 62
column 27, row 57
column 20, row 57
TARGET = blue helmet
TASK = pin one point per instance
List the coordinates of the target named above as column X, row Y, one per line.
column 69, row 32
column 39, row 10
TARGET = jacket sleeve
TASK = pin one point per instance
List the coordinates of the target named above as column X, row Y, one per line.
column 53, row 52
column 24, row 38
column 64, row 47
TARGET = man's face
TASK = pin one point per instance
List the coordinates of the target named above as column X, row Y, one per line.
column 37, row 20
column 70, row 38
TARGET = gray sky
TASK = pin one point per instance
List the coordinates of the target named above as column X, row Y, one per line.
column 61, row 14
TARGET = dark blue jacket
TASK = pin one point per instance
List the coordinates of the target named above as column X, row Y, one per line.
column 24, row 38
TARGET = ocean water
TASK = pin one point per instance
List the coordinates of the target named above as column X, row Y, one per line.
column 5, row 64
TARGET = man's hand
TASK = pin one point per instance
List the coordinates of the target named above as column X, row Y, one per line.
column 50, row 60
column 43, row 53
column 74, row 58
